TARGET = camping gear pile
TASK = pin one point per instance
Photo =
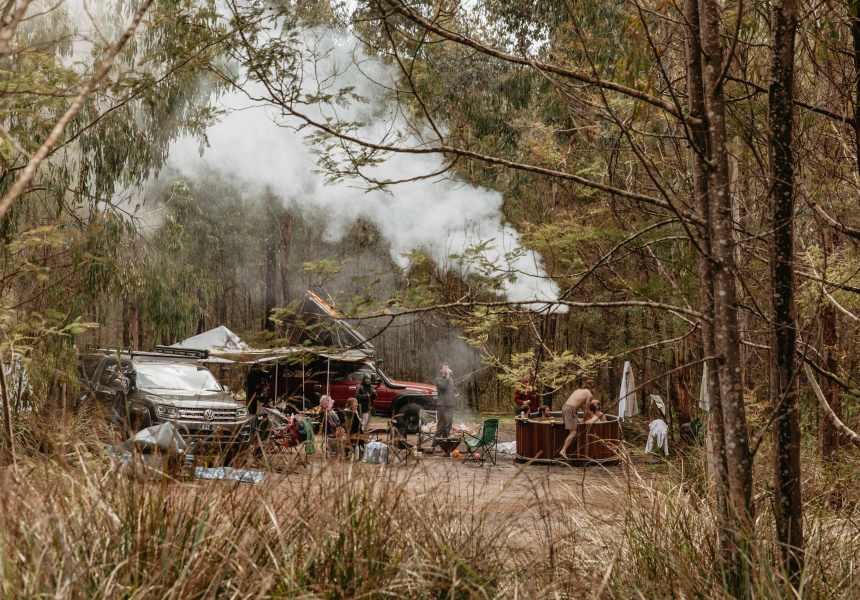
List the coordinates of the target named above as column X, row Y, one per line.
column 159, row 452
column 461, row 429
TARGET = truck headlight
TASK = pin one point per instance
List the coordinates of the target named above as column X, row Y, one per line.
column 241, row 413
column 165, row 410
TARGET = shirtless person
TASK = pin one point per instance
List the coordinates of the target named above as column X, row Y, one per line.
column 577, row 399
column 593, row 414
column 545, row 413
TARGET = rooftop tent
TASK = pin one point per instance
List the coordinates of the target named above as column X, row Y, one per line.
column 317, row 324
column 219, row 338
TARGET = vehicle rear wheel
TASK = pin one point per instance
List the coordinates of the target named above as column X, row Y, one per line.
column 411, row 414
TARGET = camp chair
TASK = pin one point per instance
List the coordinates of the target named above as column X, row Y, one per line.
column 425, row 417
column 285, row 449
column 480, row 447
column 355, row 438
column 398, row 447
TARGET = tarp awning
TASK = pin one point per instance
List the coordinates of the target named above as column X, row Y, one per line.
column 286, row 354
column 219, row 338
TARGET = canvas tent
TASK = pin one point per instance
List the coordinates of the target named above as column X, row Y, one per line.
column 219, row 338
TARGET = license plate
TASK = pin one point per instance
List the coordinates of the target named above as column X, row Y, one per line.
column 209, row 427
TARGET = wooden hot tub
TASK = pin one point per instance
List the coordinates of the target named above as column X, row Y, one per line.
column 540, row 441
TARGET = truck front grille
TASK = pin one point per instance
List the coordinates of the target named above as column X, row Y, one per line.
column 218, row 437
column 196, row 414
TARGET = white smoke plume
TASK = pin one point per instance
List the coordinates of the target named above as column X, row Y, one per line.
column 258, row 147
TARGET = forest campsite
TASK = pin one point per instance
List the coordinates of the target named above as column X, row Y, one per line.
column 429, row 299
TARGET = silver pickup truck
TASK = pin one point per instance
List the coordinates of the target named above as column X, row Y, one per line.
column 150, row 388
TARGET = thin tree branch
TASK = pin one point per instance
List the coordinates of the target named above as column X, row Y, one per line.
column 734, row 46
column 7, row 30
column 582, row 77
column 828, row 411
column 821, row 111
column 29, row 172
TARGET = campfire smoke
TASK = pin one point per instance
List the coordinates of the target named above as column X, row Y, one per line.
column 442, row 217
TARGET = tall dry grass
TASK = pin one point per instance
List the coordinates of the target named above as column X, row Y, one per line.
column 80, row 527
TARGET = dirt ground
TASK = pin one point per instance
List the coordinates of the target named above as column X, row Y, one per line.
column 526, row 493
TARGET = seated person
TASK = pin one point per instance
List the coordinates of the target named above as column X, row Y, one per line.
column 525, row 409
column 351, row 423
column 545, row 414
column 333, row 421
column 339, row 443
column 593, row 414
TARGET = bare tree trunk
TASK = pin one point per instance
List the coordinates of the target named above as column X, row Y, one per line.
column 223, row 307
column 726, row 334
column 7, row 411
column 682, row 385
column 271, row 262
column 706, row 273
column 829, row 343
column 788, row 505
column 286, row 243
column 854, row 16
column 137, row 329
column 201, row 322
column 126, row 323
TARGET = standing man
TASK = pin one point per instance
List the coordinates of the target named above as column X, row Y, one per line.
column 577, row 399
column 444, row 404
column 365, row 394
column 255, row 387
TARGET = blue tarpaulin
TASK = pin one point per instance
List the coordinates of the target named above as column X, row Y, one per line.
column 229, row 473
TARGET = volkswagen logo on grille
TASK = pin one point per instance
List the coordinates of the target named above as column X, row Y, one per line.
column 209, row 414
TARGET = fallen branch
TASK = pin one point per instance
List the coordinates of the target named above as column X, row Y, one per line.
column 828, row 412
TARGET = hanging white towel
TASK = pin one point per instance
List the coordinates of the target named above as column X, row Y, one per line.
column 627, row 406
column 704, row 395
column 658, row 402
column 658, row 436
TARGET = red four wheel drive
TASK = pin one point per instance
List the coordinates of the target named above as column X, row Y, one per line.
column 339, row 373
column 340, row 380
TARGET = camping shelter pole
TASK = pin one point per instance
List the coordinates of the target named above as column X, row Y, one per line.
column 7, row 415
column 327, row 393
column 275, row 401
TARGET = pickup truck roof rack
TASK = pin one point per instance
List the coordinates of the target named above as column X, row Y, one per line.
column 160, row 351
column 110, row 349
column 184, row 352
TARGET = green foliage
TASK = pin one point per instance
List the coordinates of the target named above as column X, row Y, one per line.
column 170, row 289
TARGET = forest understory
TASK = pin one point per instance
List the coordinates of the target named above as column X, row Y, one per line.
column 540, row 195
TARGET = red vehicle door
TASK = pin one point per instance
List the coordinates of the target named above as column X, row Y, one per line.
column 346, row 377
column 384, row 396
column 341, row 388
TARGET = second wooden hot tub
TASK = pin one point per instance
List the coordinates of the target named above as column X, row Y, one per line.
column 540, row 441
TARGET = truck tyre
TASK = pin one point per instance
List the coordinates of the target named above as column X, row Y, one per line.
column 411, row 414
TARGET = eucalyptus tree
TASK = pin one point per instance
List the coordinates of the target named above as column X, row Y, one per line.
column 93, row 94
